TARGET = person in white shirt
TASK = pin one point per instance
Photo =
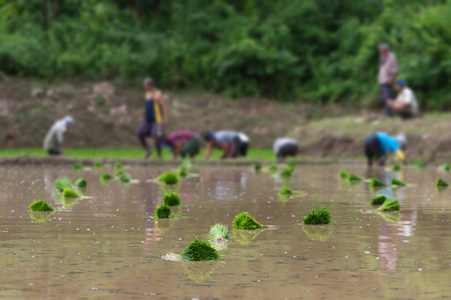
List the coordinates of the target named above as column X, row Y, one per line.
column 53, row 142
column 405, row 103
column 244, row 147
column 284, row 147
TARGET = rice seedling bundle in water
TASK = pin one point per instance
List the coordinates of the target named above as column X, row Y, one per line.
column 171, row 199
column 124, row 178
column 342, row 174
column 390, row 205
column 81, row 182
column 397, row 167
column 376, row 182
column 395, row 181
column 169, row 178
column 70, row 193
column 287, row 172
column 118, row 166
column 258, row 167
column 318, row 216
column 41, row 205
column 105, row 176
column 199, row 250
column 98, row 164
column 378, row 200
column 441, row 183
column 77, row 166
column 61, row 183
column 353, row 177
column 285, row 191
column 273, row 168
column 218, row 232
column 163, row 211
column 245, row 221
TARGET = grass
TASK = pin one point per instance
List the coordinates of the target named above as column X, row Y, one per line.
column 40, row 205
column 318, row 216
column 199, row 250
column 245, row 221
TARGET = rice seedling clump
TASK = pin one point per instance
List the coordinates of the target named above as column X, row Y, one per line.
column 318, row 216
column 395, row 181
column 119, row 173
column 291, row 162
column 287, row 172
column 169, row 178
column 61, row 183
column 124, row 178
column 245, row 221
column 70, row 193
column 273, row 168
column 199, row 250
column 396, row 167
column 390, row 204
column 218, row 232
column 41, row 205
column 171, row 199
column 258, row 167
column 446, row 167
column 77, row 166
column 118, row 166
column 421, row 164
column 342, row 174
column 285, row 191
column 353, row 177
column 163, row 211
column 98, row 164
column 378, row 200
column 81, row 182
column 440, row 183
column 182, row 171
column 105, row 176
column 376, row 182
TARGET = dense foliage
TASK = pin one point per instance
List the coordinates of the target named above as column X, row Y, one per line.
column 314, row 50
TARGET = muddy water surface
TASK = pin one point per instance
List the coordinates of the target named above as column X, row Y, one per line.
column 107, row 247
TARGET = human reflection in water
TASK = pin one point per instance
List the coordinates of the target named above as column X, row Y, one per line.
column 149, row 200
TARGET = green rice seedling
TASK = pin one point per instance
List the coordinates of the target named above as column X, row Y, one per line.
column 98, row 164
column 40, row 205
column 318, row 216
column 353, row 177
column 395, row 181
column 81, row 182
column 343, row 175
column 421, row 164
column 163, row 211
column 124, row 178
column 441, row 183
column 169, row 178
column 70, row 193
column 61, row 183
column 258, row 167
column 273, row 168
column 119, row 173
column 118, row 166
column 182, row 171
column 171, row 199
column 287, row 172
column 285, row 191
column 446, row 167
column 396, row 167
column 77, row 166
column 390, row 204
column 218, row 232
column 245, row 221
column 378, row 200
column 291, row 163
column 105, row 176
column 376, row 183
column 199, row 250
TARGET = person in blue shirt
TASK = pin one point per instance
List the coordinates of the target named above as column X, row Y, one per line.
column 378, row 145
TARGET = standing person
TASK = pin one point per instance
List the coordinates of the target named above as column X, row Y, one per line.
column 387, row 75
column 226, row 140
column 405, row 103
column 53, row 142
column 244, row 145
column 155, row 116
column 284, row 147
column 378, row 145
column 183, row 143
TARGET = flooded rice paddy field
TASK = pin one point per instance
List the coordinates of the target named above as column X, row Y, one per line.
column 107, row 247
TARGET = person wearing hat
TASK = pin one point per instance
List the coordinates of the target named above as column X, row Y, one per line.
column 284, row 147
column 155, row 115
column 387, row 75
column 405, row 104
column 184, row 143
column 378, row 145
column 226, row 140
column 53, row 142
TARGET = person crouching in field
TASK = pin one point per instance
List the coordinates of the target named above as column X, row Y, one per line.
column 284, row 147
column 53, row 142
column 244, row 144
column 378, row 145
column 226, row 140
column 155, row 115
column 405, row 104
column 184, row 143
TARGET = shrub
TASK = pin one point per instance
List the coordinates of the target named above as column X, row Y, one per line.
column 376, row 182
column 318, row 216
column 163, row 211
column 61, row 183
column 77, row 166
column 105, row 176
column 169, row 178
column 390, row 205
column 70, row 193
column 258, row 167
column 285, row 191
column 81, row 182
column 245, row 221
column 41, row 205
column 353, row 177
column 440, row 183
column 378, row 200
column 171, row 199
column 287, row 172
column 395, row 181
column 218, row 232
column 124, row 178
column 199, row 250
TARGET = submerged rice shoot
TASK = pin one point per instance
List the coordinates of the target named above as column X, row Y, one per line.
column 171, row 199
column 199, row 250
column 61, row 183
column 245, row 221
column 318, row 216
column 118, row 166
column 390, row 205
column 41, row 205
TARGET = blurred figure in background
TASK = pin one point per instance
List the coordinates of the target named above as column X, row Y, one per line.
column 405, row 103
column 155, row 116
column 184, row 143
column 53, row 142
column 284, row 147
column 387, row 75
column 378, row 145
column 244, row 145
column 226, row 140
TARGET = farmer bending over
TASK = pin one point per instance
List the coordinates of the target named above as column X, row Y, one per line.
column 184, row 143
column 244, row 144
column 379, row 145
column 405, row 104
column 226, row 140
column 284, row 147
column 53, row 142
column 154, row 116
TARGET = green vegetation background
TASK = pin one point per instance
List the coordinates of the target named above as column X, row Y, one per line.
column 312, row 50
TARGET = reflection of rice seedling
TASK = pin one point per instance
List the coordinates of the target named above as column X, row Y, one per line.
column 105, row 176
column 353, row 177
column 378, row 200
column 390, row 205
column 61, row 183
column 273, row 168
column 376, row 182
column 245, row 221
column 163, row 211
column 98, row 164
column 396, row 167
column 258, row 167
column 318, row 233
column 287, row 172
column 70, row 193
column 343, row 175
column 218, row 232
column 124, row 178
column 390, row 218
column 199, row 272
column 395, row 181
column 441, row 183
column 199, row 250
column 77, row 166
column 220, row 245
column 81, row 182
column 318, row 216
column 244, row 237
column 118, row 166
column 168, row 178
column 41, row 205
column 171, row 199
column 41, row 216
column 284, row 191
